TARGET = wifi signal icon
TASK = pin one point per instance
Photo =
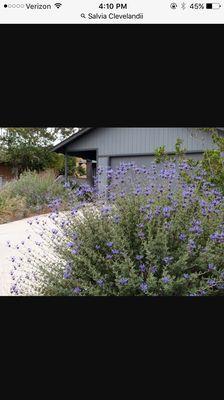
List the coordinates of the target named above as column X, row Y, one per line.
column 58, row 5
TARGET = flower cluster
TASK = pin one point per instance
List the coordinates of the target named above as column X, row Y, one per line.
column 84, row 192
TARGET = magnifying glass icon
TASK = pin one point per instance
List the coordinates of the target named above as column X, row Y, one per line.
column 83, row 16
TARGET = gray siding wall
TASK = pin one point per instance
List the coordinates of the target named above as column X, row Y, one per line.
column 125, row 141
column 103, row 162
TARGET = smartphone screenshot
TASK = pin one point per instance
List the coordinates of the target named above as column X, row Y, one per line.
column 128, row 202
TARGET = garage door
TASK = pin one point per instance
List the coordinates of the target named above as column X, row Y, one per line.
column 141, row 161
column 138, row 160
column 195, row 156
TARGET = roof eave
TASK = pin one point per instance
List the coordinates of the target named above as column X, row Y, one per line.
column 60, row 147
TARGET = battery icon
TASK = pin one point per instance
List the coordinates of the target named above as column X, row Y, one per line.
column 213, row 6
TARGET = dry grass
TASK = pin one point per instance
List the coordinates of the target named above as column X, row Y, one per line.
column 11, row 209
column 28, row 196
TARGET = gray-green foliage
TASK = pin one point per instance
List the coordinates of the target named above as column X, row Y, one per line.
column 151, row 241
column 36, row 189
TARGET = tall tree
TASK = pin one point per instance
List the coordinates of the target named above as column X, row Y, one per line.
column 30, row 148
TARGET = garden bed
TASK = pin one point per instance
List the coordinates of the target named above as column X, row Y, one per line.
column 30, row 195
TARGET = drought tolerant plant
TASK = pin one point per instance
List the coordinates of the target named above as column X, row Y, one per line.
column 38, row 189
column 29, row 194
column 11, row 207
column 213, row 162
column 153, row 233
column 161, row 154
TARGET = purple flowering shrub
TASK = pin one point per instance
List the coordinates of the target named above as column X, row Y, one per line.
column 157, row 231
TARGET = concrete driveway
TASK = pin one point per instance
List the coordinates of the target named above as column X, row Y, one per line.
column 15, row 233
column 32, row 231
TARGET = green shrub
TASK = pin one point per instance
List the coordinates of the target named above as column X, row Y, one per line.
column 213, row 163
column 37, row 188
column 80, row 170
column 32, row 192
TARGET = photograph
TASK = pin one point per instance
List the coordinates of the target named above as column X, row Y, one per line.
column 111, row 171
column 112, row 211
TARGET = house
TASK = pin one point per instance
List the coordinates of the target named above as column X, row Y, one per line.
column 104, row 147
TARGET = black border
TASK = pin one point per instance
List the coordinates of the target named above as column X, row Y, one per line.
column 116, row 313
column 111, row 75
